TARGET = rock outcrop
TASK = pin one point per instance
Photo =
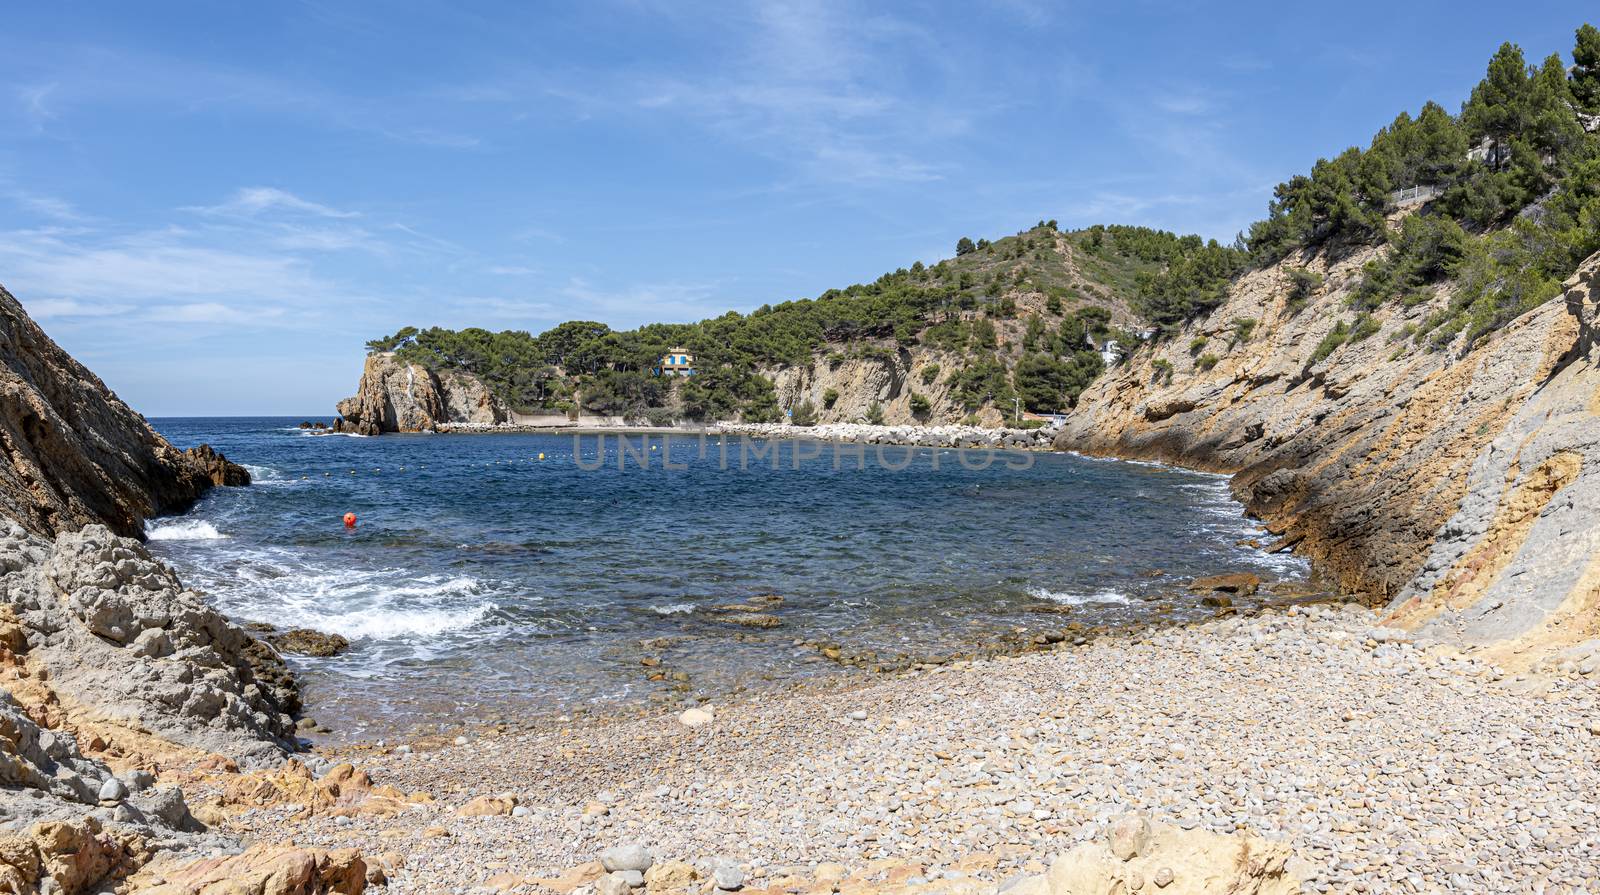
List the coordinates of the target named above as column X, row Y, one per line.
column 120, row 638
column 217, row 468
column 71, row 453
column 1135, row 855
column 395, row 396
column 1452, row 481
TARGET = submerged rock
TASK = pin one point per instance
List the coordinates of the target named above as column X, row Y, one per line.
column 306, row 642
column 1241, row 584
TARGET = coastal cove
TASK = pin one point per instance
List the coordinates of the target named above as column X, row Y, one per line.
column 483, row 581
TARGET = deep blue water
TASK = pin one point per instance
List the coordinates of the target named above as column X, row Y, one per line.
column 482, row 577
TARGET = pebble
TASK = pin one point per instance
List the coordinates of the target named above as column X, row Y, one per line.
column 1387, row 765
column 695, row 717
column 728, row 876
column 631, row 856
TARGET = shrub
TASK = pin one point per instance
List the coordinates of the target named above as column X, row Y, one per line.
column 1365, row 327
column 875, row 414
column 920, row 406
column 1243, row 329
column 1163, row 369
column 983, row 334
column 1197, row 345
column 1206, row 361
column 930, row 373
column 1330, row 342
column 804, row 414
column 1303, row 284
column 830, row 397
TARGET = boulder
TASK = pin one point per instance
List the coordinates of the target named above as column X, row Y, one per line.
column 262, row 870
column 1241, row 584
column 306, row 642
column 216, row 467
column 1134, row 853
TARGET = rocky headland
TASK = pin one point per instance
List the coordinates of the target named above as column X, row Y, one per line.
column 1457, row 486
column 120, row 690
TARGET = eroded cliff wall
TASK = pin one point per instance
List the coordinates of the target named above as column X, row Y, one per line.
column 395, row 396
column 1453, row 482
column 71, row 453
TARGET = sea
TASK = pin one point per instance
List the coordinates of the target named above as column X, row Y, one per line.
column 503, row 576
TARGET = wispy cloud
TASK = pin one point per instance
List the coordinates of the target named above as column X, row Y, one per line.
column 638, row 303
column 52, row 207
column 58, row 308
column 255, row 200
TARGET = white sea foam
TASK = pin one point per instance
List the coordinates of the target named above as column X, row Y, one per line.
column 672, row 608
column 183, row 530
column 1071, row 599
column 388, row 624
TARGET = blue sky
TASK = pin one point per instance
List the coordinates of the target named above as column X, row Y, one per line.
column 214, row 205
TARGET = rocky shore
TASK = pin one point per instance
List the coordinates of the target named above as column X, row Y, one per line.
column 148, row 744
column 951, row 436
column 1366, row 759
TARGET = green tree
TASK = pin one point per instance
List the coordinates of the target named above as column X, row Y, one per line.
column 1586, row 70
column 804, row 414
column 964, row 246
column 390, row 343
column 1499, row 106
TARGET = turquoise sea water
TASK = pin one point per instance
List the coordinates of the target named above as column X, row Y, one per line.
column 483, row 581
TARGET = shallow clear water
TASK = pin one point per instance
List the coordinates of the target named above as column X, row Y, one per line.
column 482, row 581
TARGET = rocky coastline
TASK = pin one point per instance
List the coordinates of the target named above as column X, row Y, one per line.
column 1350, row 756
column 119, row 688
column 149, row 744
column 1457, row 485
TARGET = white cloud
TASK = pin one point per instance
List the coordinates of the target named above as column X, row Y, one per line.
column 55, row 308
column 205, row 312
column 48, row 206
column 258, row 199
column 640, row 303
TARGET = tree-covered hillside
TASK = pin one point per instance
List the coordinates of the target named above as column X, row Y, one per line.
column 1019, row 312
column 1501, row 200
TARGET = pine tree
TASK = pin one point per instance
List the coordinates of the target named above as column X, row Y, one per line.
column 1586, row 70
column 1552, row 128
column 964, row 246
column 1498, row 108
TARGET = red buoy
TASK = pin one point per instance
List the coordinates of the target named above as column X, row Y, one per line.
column 349, row 520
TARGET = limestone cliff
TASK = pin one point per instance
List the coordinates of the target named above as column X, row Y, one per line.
column 887, row 378
column 71, row 453
column 395, row 396
column 1461, row 483
column 112, row 676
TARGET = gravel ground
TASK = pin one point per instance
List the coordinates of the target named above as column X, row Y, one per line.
column 1388, row 766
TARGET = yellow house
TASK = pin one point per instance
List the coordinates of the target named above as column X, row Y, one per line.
column 677, row 362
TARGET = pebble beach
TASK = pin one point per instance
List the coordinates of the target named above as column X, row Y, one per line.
column 1384, row 763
